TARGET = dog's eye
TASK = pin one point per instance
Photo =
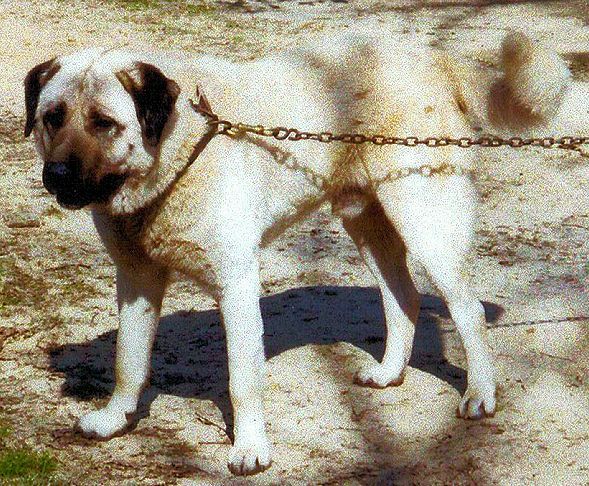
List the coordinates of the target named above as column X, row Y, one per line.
column 54, row 119
column 103, row 123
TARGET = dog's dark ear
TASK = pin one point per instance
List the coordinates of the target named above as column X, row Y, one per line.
column 154, row 96
column 34, row 82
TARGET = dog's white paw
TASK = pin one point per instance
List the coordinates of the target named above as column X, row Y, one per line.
column 102, row 424
column 477, row 402
column 378, row 376
column 248, row 458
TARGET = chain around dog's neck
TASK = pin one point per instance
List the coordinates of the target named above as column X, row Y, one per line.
column 203, row 108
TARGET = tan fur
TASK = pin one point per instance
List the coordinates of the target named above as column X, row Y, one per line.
column 524, row 99
column 536, row 77
column 210, row 219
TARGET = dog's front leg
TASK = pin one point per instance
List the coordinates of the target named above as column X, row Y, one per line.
column 139, row 298
column 242, row 318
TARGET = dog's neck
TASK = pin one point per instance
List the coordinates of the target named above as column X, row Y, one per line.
column 187, row 135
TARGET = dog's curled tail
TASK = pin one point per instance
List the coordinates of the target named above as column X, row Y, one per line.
column 535, row 76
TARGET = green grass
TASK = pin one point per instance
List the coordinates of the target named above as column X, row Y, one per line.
column 194, row 9
column 138, row 5
column 24, row 466
column 4, row 431
column 200, row 9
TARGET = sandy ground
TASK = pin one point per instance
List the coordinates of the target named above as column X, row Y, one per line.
column 322, row 313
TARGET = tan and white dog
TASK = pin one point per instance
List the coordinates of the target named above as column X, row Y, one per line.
column 115, row 130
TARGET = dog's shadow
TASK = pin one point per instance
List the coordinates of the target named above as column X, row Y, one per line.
column 189, row 358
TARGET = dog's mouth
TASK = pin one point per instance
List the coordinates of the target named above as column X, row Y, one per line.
column 72, row 191
column 92, row 193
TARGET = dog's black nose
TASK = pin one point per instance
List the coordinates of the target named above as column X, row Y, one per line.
column 64, row 179
column 57, row 176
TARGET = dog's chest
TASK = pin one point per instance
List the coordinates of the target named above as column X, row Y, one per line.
column 176, row 238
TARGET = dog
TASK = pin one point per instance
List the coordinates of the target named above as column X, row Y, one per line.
column 117, row 131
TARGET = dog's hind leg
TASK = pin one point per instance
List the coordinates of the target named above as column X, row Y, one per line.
column 435, row 217
column 385, row 255
column 139, row 298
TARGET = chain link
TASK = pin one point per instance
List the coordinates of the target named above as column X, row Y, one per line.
column 282, row 133
column 225, row 127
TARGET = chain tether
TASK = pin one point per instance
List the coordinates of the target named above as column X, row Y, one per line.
column 226, row 127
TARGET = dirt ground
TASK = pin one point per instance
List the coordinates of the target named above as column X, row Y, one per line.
column 322, row 312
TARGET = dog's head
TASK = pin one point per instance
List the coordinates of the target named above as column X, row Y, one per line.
column 98, row 119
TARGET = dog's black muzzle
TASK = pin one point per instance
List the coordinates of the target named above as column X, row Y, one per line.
column 65, row 181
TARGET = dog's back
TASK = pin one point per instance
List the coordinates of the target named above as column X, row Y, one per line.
column 380, row 87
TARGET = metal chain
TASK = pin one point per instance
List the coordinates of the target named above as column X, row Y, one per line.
column 225, row 127
column 282, row 133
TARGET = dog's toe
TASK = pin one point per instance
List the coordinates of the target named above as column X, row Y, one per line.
column 378, row 376
column 102, row 424
column 248, row 459
column 476, row 405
